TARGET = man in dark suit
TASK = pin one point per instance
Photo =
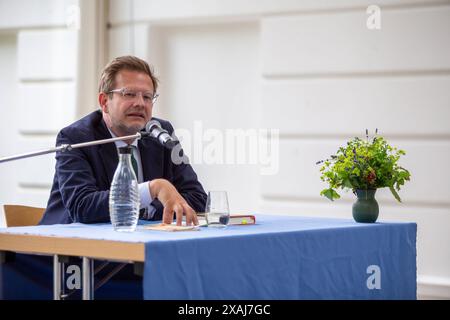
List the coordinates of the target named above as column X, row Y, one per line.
column 83, row 176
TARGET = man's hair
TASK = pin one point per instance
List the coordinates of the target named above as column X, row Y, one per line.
column 131, row 63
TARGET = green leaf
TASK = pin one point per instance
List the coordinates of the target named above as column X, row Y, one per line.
column 330, row 194
column 348, row 184
column 395, row 194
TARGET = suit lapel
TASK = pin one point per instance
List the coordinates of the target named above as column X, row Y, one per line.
column 152, row 158
column 107, row 152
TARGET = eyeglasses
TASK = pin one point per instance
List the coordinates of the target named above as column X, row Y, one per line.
column 128, row 94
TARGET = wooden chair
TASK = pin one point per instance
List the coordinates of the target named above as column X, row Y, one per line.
column 20, row 216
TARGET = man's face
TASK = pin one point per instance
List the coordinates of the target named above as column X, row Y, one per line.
column 125, row 116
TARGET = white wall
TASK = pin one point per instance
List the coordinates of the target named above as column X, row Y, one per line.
column 202, row 82
column 321, row 77
column 8, row 107
column 38, row 57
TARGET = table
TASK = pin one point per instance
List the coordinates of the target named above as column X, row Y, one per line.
column 281, row 257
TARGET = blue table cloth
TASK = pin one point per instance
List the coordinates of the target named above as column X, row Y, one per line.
column 281, row 257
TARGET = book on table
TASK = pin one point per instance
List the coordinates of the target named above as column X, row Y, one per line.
column 235, row 219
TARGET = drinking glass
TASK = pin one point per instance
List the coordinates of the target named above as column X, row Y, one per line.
column 217, row 213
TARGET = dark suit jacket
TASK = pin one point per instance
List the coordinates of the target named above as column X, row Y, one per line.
column 83, row 176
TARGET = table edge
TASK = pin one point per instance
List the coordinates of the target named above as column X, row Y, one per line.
column 81, row 247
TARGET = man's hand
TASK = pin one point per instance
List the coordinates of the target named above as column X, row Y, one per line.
column 172, row 202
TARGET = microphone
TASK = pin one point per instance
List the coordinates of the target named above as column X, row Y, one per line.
column 153, row 129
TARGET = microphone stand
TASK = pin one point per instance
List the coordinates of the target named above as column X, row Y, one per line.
column 68, row 147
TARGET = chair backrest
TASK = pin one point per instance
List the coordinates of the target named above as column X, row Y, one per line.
column 19, row 216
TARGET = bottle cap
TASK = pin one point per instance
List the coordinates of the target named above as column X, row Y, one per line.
column 125, row 150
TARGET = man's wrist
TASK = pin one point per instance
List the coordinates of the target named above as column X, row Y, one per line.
column 154, row 186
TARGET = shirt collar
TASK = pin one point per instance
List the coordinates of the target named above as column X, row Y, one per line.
column 121, row 143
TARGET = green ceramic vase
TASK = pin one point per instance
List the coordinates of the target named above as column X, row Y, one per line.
column 365, row 209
